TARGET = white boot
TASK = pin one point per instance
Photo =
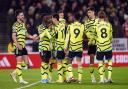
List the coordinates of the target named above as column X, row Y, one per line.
column 23, row 82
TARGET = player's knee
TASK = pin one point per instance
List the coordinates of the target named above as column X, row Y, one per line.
column 109, row 67
column 92, row 57
column 46, row 60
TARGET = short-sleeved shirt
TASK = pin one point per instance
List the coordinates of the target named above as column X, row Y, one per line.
column 104, row 36
column 60, row 36
column 75, row 34
column 20, row 30
column 90, row 26
column 45, row 36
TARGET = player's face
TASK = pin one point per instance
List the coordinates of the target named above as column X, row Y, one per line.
column 61, row 15
column 54, row 20
column 90, row 14
column 21, row 17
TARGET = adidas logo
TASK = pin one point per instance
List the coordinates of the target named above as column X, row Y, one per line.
column 4, row 62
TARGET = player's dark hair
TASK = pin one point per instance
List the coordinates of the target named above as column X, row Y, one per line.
column 90, row 9
column 43, row 14
column 60, row 11
column 47, row 20
column 17, row 12
column 56, row 16
column 77, row 16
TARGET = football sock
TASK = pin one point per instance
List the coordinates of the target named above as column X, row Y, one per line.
column 44, row 70
column 109, row 69
column 65, row 70
column 51, row 69
column 101, row 68
column 104, row 70
column 60, row 71
column 91, row 69
column 19, row 71
column 80, row 72
column 70, row 73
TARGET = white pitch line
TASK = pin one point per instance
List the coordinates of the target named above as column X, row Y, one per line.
column 29, row 85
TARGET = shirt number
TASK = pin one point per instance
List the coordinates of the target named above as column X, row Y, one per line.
column 76, row 32
column 103, row 33
column 62, row 31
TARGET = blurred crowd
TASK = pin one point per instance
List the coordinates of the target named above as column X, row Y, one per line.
column 116, row 10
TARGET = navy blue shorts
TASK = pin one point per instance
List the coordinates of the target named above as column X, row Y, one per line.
column 45, row 55
column 73, row 54
column 100, row 55
column 20, row 52
column 91, row 49
column 60, row 55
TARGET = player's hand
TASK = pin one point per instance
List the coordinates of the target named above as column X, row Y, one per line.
column 19, row 46
column 35, row 37
column 65, row 50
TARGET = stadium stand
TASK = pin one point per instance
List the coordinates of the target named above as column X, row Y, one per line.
column 117, row 12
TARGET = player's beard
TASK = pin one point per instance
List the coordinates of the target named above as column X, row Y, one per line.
column 92, row 17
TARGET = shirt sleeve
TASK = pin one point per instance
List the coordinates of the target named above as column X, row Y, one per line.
column 41, row 32
column 14, row 29
column 48, row 34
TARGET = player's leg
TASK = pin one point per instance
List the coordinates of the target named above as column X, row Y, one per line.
column 99, row 57
column 45, row 55
column 70, row 73
column 104, row 74
column 18, row 71
column 25, row 58
column 65, row 68
column 91, row 68
column 19, row 68
column 25, row 63
column 80, row 71
column 44, row 73
column 60, row 56
column 13, row 73
column 109, row 58
column 52, row 61
column 91, row 53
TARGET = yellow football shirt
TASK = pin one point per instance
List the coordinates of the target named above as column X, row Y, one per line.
column 104, row 36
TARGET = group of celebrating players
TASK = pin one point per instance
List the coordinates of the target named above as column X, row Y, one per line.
column 61, row 43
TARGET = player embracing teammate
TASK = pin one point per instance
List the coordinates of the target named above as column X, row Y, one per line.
column 99, row 32
column 67, row 41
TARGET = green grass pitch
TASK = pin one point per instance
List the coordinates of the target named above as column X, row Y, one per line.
column 120, row 77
